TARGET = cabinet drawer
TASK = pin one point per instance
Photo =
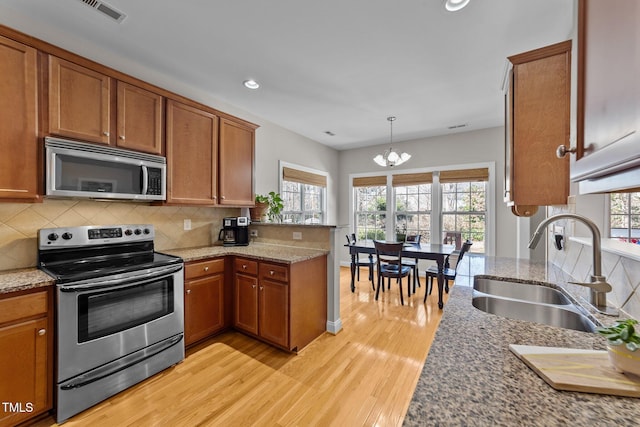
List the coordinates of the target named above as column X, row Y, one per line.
column 203, row 268
column 246, row 266
column 23, row 306
column 274, row 272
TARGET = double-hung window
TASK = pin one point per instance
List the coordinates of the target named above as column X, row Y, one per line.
column 413, row 205
column 624, row 217
column 464, row 207
column 370, row 212
column 303, row 196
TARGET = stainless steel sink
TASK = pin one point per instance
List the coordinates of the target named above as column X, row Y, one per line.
column 554, row 315
column 530, row 302
column 521, row 291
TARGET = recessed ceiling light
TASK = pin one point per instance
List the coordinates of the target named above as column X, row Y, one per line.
column 251, row 84
column 454, row 5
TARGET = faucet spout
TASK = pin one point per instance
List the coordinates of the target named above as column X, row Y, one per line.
column 599, row 286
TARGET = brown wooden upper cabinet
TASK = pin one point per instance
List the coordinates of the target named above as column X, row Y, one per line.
column 608, row 109
column 537, row 122
column 192, row 153
column 80, row 107
column 235, row 165
column 140, row 119
column 79, row 102
column 19, row 171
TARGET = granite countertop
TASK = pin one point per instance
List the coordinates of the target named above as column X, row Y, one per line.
column 20, row 280
column 471, row 377
column 261, row 251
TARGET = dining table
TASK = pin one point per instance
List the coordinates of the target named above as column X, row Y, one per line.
column 437, row 252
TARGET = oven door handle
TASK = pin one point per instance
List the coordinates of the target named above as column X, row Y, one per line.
column 122, row 364
column 123, row 282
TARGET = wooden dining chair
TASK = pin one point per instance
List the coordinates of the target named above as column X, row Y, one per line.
column 362, row 261
column 390, row 265
column 449, row 272
column 413, row 239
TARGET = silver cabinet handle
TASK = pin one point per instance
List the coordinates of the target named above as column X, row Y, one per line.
column 562, row 151
column 244, row 267
column 271, row 272
column 222, row 197
column 122, row 137
column 253, row 286
column 41, row 332
column 105, row 133
column 188, row 291
column 206, row 269
column 261, row 288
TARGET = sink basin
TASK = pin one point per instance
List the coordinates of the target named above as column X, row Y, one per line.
column 563, row 316
column 521, row 291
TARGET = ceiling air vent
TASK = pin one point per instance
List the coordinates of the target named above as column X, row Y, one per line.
column 106, row 10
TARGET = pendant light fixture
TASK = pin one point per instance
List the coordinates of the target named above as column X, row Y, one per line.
column 390, row 157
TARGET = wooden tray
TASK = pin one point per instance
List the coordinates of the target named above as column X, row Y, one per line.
column 573, row 369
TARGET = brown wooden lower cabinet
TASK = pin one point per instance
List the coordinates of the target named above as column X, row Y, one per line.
column 204, row 299
column 283, row 304
column 26, row 356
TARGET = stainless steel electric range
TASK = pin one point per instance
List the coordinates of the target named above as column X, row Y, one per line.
column 120, row 310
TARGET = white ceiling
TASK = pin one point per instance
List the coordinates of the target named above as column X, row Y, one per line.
column 330, row 65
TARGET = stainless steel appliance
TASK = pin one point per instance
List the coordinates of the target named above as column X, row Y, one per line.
column 120, row 310
column 75, row 169
column 234, row 231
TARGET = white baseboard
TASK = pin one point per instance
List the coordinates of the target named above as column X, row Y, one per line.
column 335, row 326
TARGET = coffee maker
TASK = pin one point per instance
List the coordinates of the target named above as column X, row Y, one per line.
column 234, row 231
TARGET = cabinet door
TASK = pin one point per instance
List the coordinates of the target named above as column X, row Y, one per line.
column 204, row 307
column 23, row 369
column 192, row 137
column 274, row 312
column 19, row 169
column 539, row 123
column 139, row 119
column 246, row 303
column 79, row 102
column 236, row 164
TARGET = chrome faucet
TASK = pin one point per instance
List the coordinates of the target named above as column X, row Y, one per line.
column 598, row 285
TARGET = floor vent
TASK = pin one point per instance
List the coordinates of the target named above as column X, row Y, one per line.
column 105, row 9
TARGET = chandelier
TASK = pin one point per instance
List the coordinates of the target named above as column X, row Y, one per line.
column 390, row 157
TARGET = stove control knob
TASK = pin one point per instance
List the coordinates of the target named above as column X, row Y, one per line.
column 138, row 232
column 52, row 236
column 128, row 232
column 67, row 236
column 147, row 231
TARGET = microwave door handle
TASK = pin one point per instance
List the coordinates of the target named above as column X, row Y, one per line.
column 145, row 179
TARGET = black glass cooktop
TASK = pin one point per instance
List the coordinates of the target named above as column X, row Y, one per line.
column 76, row 265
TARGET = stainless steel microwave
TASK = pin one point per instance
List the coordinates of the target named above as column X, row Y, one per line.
column 75, row 169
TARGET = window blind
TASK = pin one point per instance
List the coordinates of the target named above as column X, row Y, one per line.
column 464, row 175
column 295, row 175
column 412, row 179
column 369, row 181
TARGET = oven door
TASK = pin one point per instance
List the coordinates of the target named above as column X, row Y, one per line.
column 109, row 318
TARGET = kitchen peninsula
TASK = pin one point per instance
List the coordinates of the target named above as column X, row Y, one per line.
column 471, row 376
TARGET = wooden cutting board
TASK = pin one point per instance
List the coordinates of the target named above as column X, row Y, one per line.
column 573, row 369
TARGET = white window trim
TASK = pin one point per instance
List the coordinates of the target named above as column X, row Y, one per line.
column 282, row 164
column 436, row 221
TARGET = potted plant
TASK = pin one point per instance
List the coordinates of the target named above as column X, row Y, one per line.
column 623, row 341
column 270, row 205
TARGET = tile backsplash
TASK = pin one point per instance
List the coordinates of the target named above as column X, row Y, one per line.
column 20, row 222
column 622, row 272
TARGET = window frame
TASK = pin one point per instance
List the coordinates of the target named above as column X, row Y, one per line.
column 323, row 194
column 628, row 214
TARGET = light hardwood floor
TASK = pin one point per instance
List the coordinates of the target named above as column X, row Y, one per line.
column 363, row 376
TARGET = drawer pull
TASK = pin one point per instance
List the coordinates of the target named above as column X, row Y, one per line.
column 271, row 272
column 188, row 291
column 206, row 269
column 261, row 288
column 253, row 286
column 244, row 266
column 41, row 332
